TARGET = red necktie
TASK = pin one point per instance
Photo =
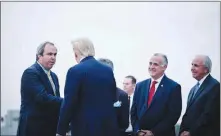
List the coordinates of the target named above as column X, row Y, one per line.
column 151, row 92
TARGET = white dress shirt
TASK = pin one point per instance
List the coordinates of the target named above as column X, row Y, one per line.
column 130, row 129
column 158, row 82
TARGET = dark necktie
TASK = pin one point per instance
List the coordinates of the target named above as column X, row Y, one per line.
column 129, row 101
column 151, row 93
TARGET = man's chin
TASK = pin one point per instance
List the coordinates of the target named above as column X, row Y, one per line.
column 152, row 74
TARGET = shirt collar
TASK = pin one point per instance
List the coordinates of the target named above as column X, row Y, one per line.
column 158, row 80
column 201, row 81
column 131, row 95
column 45, row 70
column 82, row 58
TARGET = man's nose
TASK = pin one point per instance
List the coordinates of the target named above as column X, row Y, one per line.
column 151, row 66
column 53, row 56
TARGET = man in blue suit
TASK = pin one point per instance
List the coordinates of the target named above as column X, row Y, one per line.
column 40, row 97
column 202, row 117
column 122, row 97
column 89, row 95
column 157, row 102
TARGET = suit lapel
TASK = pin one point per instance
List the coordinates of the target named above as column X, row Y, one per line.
column 199, row 92
column 159, row 91
column 118, row 94
column 144, row 94
column 190, row 96
column 56, row 85
column 157, row 94
column 45, row 79
column 146, row 90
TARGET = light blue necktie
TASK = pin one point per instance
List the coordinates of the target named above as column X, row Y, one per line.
column 196, row 89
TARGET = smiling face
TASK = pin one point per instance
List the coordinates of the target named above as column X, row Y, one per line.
column 156, row 67
column 198, row 68
column 48, row 58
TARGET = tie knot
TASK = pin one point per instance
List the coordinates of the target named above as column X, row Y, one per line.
column 154, row 82
column 198, row 84
column 49, row 73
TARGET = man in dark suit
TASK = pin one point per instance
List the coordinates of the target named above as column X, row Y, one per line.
column 89, row 95
column 122, row 97
column 157, row 102
column 129, row 84
column 202, row 116
column 40, row 97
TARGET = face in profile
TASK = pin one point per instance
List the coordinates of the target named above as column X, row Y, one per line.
column 198, row 68
column 156, row 67
column 48, row 59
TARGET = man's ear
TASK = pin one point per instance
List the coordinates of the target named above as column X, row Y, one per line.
column 165, row 67
column 39, row 56
column 75, row 55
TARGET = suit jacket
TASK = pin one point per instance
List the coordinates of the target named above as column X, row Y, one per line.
column 90, row 92
column 164, row 111
column 202, row 116
column 123, row 111
column 39, row 107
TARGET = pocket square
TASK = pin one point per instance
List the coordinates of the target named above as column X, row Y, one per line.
column 117, row 104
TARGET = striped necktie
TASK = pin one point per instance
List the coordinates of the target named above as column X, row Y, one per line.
column 51, row 81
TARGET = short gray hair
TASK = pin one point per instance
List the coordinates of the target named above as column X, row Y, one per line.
column 206, row 62
column 106, row 62
column 165, row 60
column 41, row 47
column 84, row 46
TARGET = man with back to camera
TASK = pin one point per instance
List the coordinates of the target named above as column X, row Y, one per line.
column 40, row 96
column 202, row 116
column 89, row 94
column 123, row 109
column 157, row 101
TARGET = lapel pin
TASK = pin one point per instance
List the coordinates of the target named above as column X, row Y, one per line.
column 161, row 85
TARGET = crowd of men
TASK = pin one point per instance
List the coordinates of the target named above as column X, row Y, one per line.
column 94, row 106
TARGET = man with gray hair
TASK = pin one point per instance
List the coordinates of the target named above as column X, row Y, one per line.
column 157, row 102
column 89, row 94
column 202, row 117
column 123, row 109
column 40, row 96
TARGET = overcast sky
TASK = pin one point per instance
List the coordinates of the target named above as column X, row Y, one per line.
column 127, row 33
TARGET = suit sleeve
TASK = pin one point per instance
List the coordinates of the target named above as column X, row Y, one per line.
column 124, row 112
column 133, row 112
column 211, row 112
column 31, row 84
column 173, row 114
column 71, row 91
